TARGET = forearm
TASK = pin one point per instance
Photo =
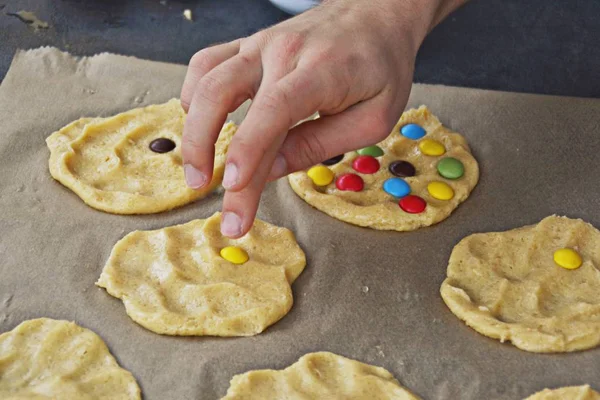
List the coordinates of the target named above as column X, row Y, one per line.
column 408, row 19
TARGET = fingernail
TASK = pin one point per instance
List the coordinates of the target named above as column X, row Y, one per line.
column 194, row 178
column 231, row 224
column 279, row 167
column 231, row 176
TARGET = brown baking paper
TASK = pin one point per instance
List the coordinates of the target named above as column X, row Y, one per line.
column 368, row 295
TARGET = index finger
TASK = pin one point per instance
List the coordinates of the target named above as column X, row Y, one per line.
column 275, row 109
column 201, row 64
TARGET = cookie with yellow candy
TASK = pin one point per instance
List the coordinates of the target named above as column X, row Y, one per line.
column 536, row 286
column 191, row 280
column 584, row 392
column 130, row 163
column 414, row 178
column 51, row 359
column 321, row 375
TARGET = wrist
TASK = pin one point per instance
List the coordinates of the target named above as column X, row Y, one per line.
column 422, row 15
column 407, row 20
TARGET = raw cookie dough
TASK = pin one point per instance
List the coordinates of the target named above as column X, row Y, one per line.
column 567, row 393
column 109, row 164
column 174, row 281
column 506, row 285
column 49, row 359
column 320, row 375
column 375, row 208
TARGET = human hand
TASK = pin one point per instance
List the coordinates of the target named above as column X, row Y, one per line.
column 350, row 60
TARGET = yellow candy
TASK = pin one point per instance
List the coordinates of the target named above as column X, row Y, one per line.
column 235, row 255
column 431, row 147
column 440, row 190
column 320, row 175
column 567, row 258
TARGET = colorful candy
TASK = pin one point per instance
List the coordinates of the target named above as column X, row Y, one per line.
column 373, row 151
column 350, row 182
column 402, row 169
column 440, row 190
column 412, row 131
column 333, row 160
column 450, row 168
column 431, row 147
column 320, row 175
column 234, row 255
column 397, row 187
column 412, row 204
column 365, row 164
column 567, row 258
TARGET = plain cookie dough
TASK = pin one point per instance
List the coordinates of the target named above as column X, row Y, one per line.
column 49, row 359
column 373, row 207
column 566, row 393
column 505, row 285
column 107, row 162
column 173, row 280
column 319, row 375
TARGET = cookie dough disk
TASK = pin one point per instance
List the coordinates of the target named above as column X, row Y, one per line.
column 49, row 359
column 373, row 207
column 567, row 393
column 319, row 376
column 107, row 162
column 506, row 286
column 173, row 281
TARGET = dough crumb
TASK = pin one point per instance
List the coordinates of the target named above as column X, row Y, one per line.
column 187, row 13
column 30, row 19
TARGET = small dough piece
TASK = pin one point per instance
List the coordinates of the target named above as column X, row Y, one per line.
column 505, row 285
column 173, row 280
column 107, row 162
column 50, row 359
column 374, row 208
column 567, row 393
column 319, row 375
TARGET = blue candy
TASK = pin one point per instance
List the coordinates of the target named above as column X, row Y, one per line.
column 412, row 131
column 396, row 187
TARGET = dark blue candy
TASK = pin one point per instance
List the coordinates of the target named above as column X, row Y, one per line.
column 412, row 131
column 397, row 187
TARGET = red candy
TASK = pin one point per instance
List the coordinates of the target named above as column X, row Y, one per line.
column 412, row 204
column 365, row 164
column 351, row 182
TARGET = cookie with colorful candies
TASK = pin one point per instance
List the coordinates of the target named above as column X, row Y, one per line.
column 415, row 177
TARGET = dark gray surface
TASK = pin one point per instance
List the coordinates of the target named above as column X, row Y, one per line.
column 534, row 46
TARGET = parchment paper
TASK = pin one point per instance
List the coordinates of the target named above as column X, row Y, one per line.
column 368, row 295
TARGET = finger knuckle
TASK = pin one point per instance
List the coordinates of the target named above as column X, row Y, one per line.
column 261, row 39
column 247, row 58
column 211, row 89
column 241, row 147
column 189, row 141
column 289, row 44
column 311, row 149
column 273, row 100
column 202, row 61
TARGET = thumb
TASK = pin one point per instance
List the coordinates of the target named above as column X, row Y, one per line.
column 315, row 141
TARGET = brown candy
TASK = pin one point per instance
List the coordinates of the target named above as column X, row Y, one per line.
column 162, row 145
column 333, row 160
column 402, row 169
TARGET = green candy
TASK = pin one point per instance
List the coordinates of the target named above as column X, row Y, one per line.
column 373, row 151
column 451, row 168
